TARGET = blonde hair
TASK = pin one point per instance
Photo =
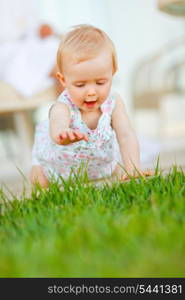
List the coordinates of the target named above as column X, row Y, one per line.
column 85, row 42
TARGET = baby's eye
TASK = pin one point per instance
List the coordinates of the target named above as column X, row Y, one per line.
column 79, row 85
column 100, row 82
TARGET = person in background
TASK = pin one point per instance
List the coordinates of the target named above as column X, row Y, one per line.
column 44, row 31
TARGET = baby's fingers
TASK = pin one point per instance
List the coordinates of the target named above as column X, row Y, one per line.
column 71, row 135
column 63, row 136
column 124, row 177
column 86, row 138
column 80, row 135
column 148, row 173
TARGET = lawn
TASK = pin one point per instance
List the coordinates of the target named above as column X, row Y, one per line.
column 131, row 229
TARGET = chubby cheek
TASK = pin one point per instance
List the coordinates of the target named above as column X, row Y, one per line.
column 103, row 93
column 76, row 95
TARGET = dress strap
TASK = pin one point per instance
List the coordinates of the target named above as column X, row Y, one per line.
column 109, row 104
column 65, row 98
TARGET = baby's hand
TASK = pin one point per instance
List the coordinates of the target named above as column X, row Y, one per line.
column 69, row 136
column 137, row 174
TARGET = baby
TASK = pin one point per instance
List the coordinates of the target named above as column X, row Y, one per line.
column 88, row 125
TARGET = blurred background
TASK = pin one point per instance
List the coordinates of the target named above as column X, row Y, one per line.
column 149, row 36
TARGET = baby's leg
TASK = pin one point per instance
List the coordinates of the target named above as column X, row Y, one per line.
column 37, row 176
column 118, row 172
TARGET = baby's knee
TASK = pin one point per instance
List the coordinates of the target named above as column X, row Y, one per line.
column 37, row 176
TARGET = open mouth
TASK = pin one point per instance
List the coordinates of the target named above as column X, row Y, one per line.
column 90, row 103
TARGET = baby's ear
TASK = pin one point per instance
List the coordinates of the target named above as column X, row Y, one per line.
column 60, row 77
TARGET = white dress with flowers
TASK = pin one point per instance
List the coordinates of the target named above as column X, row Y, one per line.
column 99, row 155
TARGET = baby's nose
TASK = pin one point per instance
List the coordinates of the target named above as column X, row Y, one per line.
column 91, row 92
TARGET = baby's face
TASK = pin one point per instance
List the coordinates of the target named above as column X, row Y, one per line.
column 89, row 81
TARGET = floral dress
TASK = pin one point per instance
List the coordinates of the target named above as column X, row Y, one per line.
column 99, row 155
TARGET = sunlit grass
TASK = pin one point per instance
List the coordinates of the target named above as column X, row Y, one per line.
column 131, row 229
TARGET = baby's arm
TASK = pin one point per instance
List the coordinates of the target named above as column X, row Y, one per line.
column 128, row 143
column 59, row 126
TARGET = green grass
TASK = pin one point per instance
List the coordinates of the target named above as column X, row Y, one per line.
column 132, row 229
